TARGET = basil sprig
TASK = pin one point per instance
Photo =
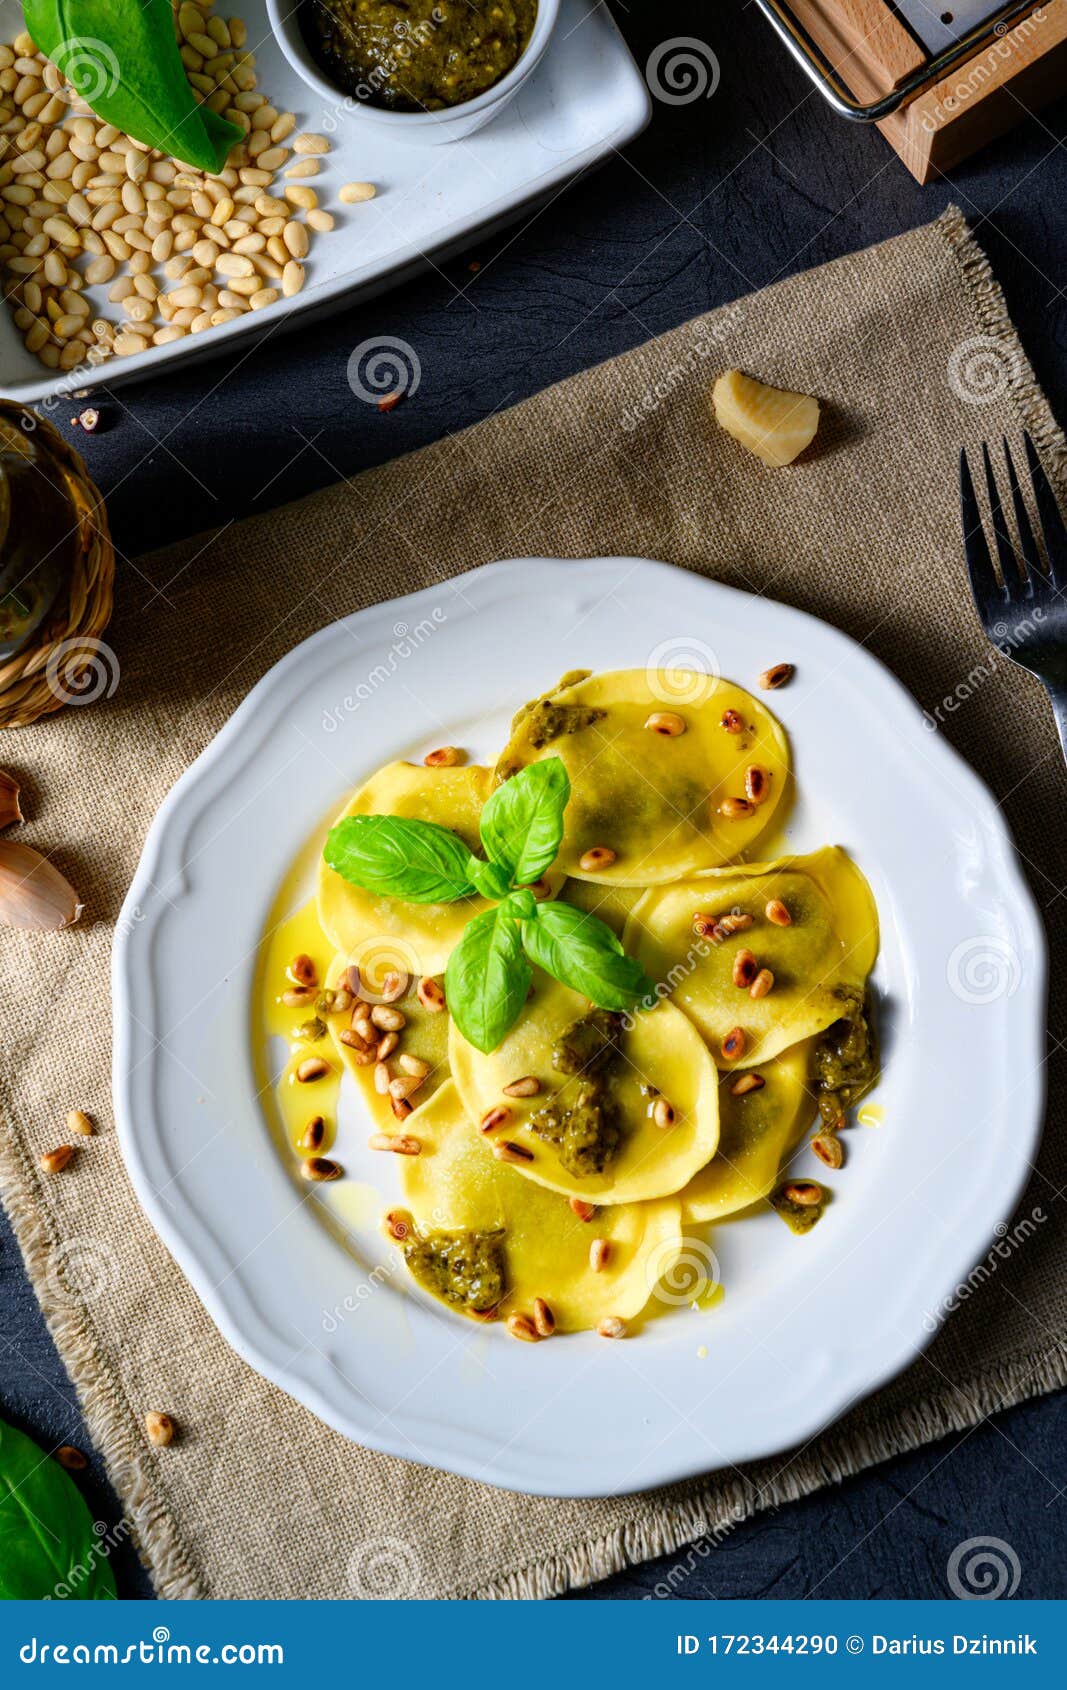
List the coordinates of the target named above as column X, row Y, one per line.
column 124, row 61
column 488, row 974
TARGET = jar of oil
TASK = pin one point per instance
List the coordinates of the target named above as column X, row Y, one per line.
column 39, row 532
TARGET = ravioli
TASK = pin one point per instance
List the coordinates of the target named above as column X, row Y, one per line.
column 661, row 1058
column 380, row 933
column 453, row 1187
column 818, row 961
column 613, row 905
column 651, row 799
column 757, row 1132
column 425, row 1036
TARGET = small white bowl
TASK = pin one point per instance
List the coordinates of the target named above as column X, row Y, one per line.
column 452, row 123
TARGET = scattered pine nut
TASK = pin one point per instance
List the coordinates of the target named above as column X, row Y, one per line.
column 353, row 193
column 528, row 1086
column 302, row 971
column 430, row 995
column 160, row 1428
column 585, row 1211
column 401, row 1144
column 733, row 1045
column 508, row 1151
column 732, row 722
column 746, row 1083
column 828, row 1148
column 757, row 783
column 745, row 969
column 298, row 997
column 597, row 857
column 397, row 1224
column 667, row 723
column 413, row 1065
column 599, row 1254
column 493, row 1118
column 54, row 1161
column 805, row 1193
column 776, row 676
column 79, row 1123
column 735, row 808
column 404, row 1086
column 445, row 757
column 611, row 1327
column 316, row 1169
column 544, row 1319
column 778, row 914
column 388, row 1019
column 312, row 1068
column 382, row 1078
column 401, row 1107
column 522, row 1327
column 72, row 1459
column 762, row 984
column 311, row 146
column 663, row 1113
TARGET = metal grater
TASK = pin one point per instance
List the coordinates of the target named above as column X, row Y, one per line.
column 950, row 32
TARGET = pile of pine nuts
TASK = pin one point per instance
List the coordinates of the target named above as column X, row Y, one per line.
column 179, row 250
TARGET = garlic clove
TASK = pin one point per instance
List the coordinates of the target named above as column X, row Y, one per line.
column 33, row 894
column 10, row 809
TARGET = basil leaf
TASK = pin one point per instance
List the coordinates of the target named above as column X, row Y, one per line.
column 490, row 879
column 580, row 951
column 401, row 858
column 522, row 822
column 48, row 1548
column 124, row 62
column 487, row 978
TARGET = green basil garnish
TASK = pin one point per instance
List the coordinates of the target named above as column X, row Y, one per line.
column 488, row 973
column 125, row 63
column 49, row 1549
column 522, row 822
column 400, row 857
column 487, row 978
column 580, row 951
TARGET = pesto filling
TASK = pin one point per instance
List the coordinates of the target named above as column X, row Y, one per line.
column 798, row 1217
column 845, row 1061
column 584, row 1130
column 466, row 1269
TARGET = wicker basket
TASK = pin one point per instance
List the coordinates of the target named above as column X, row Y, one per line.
column 63, row 659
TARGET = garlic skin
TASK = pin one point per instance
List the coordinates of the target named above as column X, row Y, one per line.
column 10, row 809
column 33, row 895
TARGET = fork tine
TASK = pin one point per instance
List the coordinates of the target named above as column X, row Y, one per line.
column 1009, row 567
column 1035, row 568
column 1052, row 525
column 986, row 591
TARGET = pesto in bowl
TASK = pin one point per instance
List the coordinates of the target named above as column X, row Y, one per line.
column 417, row 55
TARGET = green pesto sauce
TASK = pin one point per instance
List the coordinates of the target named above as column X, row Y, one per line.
column 466, row 1269
column 417, row 55
column 584, row 1131
column 845, row 1062
column 799, row 1217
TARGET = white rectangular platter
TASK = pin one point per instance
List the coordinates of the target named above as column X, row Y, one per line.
column 586, row 99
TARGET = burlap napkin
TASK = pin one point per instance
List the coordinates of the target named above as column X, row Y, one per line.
column 911, row 350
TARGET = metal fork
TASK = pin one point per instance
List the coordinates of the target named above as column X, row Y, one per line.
column 1024, row 614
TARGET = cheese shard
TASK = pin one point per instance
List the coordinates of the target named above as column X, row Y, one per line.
column 770, row 421
column 453, row 1190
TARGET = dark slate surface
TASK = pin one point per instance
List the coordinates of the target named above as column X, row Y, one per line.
column 718, row 197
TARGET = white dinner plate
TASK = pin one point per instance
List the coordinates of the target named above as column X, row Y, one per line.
column 299, row 1280
column 585, row 101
